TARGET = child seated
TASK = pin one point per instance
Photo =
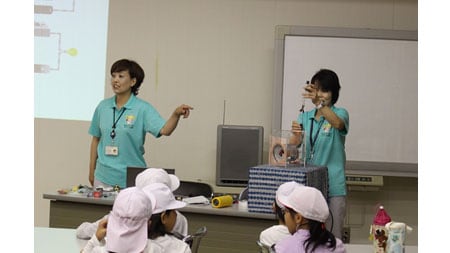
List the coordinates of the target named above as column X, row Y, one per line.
column 273, row 234
column 305, row 210
column 151, row 175
column 126, row 226
column 164, row 218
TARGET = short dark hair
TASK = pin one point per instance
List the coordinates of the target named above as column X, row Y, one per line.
column 327, row 80
column 279, row 212
column 157, row 228
column 134, row 69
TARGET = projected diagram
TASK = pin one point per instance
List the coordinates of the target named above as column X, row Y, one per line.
column 50, row 39
column 70, row 41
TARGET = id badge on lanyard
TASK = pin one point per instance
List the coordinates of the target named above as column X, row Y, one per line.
column 113, row 149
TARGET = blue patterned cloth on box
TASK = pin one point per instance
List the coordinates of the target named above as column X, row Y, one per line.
column 263, row 181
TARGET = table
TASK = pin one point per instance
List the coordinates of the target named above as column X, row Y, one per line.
column 57, row 240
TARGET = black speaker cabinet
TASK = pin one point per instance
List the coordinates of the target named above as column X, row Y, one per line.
column 238, row 149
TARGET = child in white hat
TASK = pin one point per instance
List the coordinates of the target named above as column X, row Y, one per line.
column 151, row 175
column 275, row 233
column 126, row 227
column 305, row 212
column 158, row 175
column 164, row 218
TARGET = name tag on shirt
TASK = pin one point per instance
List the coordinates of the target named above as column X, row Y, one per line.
column 112, row 150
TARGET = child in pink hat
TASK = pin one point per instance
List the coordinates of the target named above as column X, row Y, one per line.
column 151, row 175
column 164, row 218
column 305, row 212
column 125, row 229
column 275, row 233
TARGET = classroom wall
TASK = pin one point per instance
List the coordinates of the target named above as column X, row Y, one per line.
column 202, row 53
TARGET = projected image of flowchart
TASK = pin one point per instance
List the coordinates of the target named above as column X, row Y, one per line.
column 70, row 41
column 52, row 38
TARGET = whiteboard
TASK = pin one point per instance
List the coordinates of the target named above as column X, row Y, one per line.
column 378, row 88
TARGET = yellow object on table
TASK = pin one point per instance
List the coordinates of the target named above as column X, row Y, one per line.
column 222, row 201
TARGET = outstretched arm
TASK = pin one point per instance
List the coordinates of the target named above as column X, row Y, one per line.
column 325, row 110
column 332, row 118
column 172, row 122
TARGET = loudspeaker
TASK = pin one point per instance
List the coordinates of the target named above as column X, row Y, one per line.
column 238, row 149
column 284, row 148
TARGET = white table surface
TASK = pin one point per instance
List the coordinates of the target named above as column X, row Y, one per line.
column 53, row 240
column 57, row 240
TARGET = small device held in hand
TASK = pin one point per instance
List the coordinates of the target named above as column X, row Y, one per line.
column 302, row 109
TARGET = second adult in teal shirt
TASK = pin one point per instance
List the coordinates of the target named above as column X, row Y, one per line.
column 329, row 147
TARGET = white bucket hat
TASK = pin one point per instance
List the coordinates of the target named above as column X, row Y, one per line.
column 128, row 221
column 308, row 201
column 157, row 175
column 284, row 190
column 165, row 200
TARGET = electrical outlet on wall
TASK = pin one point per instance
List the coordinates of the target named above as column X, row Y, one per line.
column 346, row 235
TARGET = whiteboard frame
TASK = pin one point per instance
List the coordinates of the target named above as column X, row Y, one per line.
column 375, row 168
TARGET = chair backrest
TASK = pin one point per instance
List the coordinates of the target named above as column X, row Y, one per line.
column 194, row 239
column 132, row 173
column 264, row 248
column 193, row 189
column 244, row 194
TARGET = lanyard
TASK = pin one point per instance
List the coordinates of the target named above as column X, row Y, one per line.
column 113, row 132
column 311, row 139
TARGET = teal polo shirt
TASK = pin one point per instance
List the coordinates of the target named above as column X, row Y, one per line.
column 329, row 147
column 134, row 120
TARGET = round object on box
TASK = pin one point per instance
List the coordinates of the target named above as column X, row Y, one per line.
column 278, row 153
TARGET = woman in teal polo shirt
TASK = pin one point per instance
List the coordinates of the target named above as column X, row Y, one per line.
column 119, row 126
column 325, row 128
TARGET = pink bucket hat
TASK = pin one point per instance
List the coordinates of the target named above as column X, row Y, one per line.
column 128, row 221
column 308, row 201
column 157, row 175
